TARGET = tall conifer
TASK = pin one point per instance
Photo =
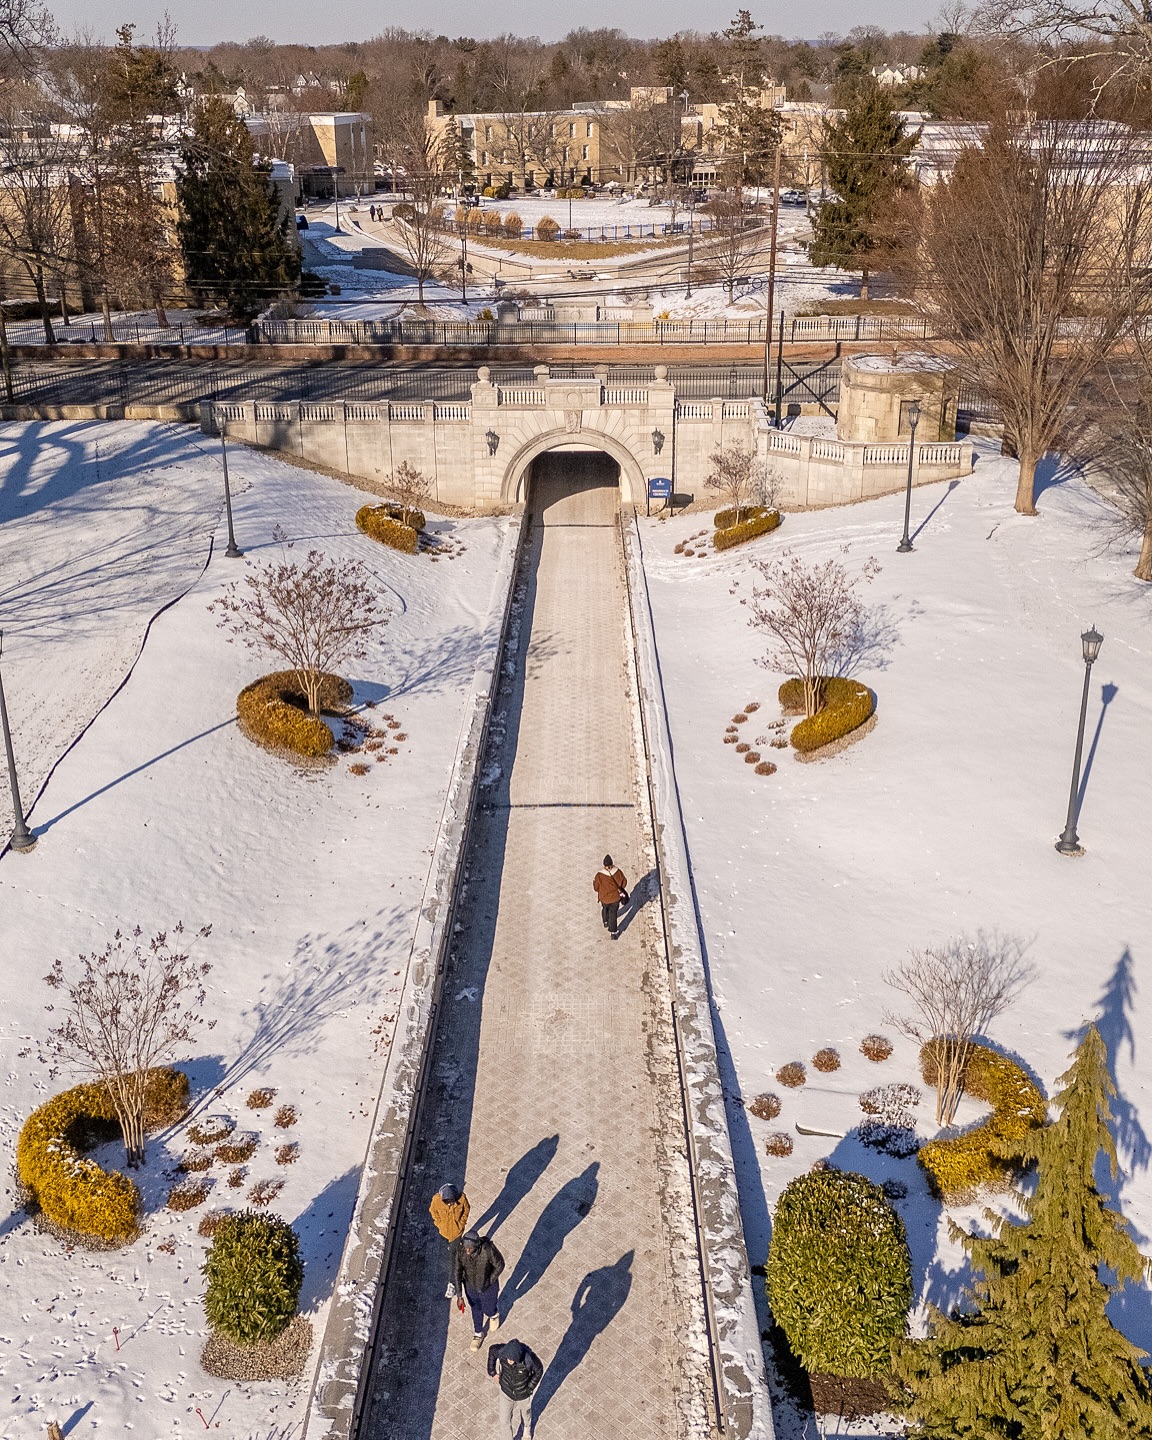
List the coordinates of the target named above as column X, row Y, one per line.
column 235, row 239
column 1035, row 1357
column 865, row 157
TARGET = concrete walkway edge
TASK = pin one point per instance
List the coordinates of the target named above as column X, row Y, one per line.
column 744, row 1386
column 344, row 1357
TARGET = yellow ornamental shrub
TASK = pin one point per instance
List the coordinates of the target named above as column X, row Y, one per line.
column 272, row 713
column 382, row 522
column 513, row 225
column 847, row 705
column 759, row 524
column 986, row 1155
column 71, row 1190
column 547, row 228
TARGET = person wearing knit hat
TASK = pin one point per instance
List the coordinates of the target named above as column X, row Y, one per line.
column 449, row 1210
column 612, row 891
column 519, row 1371
column 478, row 1269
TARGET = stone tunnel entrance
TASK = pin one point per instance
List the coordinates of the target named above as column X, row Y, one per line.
column 574, row 485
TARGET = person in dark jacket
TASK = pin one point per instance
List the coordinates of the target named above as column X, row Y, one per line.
column 611, row 890
column 518, row 1371
column 478, row 1268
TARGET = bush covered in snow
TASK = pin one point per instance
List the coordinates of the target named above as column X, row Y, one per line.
column 876, row 1048
column 839, row 1273
column 272, row 713
column 254, row 1276
column 98, row 1206
column 826, row 1060
column 958, row 1165
column 793, row 1074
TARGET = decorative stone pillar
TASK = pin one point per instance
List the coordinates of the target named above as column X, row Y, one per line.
column 876, row 391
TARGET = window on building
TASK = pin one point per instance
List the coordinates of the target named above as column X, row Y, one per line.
column 566, row 154
column 484, row 158
column 589, row 129
column 572, row 131
column 488, row 132
column 585, row 152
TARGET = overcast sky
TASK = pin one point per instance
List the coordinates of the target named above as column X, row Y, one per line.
column 201, row 22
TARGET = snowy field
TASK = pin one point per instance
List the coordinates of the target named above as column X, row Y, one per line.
column 164, row 812
column 814, row 881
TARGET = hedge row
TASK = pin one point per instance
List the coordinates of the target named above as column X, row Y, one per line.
column 984, row 1155
column 384, row 523
column 73, row 1191
column 847, row 705
column 759, row 523
column 839, row 1275
column 272, row 711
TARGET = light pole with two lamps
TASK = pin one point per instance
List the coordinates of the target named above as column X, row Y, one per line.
column 21, row 837
column 913, row 420
column 1069, row 842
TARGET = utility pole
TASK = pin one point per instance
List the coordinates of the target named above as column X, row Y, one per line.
column 772, row 273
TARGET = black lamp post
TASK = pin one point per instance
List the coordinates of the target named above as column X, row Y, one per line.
column 233, row 551
column 21, row 837
column 913, row 420
column 1069, row 843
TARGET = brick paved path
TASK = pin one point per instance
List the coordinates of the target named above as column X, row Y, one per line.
column 553, row 1089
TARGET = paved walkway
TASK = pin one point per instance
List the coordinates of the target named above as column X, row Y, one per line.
column 553, row 1090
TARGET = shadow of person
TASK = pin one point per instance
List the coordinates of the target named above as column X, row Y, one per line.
column 599, row 1298
column 557, row 1220
column 517, row 1183
column 645, row 890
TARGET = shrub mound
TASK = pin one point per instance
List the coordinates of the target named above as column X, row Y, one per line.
column 827, row 1060
column 845, row 706
column 876, row 1048
column 839, row 1273
column 779, row 1142
column 792, row 1075
column 987, row 1154
column 254, row 1275
column 766, row 1106
column 384, row 523
column 755, row 521
column 272, row 712
column 100, row 1208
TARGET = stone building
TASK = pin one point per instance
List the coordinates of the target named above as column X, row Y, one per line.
column 331, row 152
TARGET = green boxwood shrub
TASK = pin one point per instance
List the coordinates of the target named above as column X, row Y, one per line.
column 839, row 1273
column 757, row 521
column 71, row 1190
column 254, row 1275
column 272, row 712
column 844, row 706
column 986, row 1155
column 384, row 523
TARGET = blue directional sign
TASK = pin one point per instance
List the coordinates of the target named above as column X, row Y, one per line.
column 659, row 487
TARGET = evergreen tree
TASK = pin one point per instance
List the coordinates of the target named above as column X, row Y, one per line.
column 865, row 156
column 1036, row 1357
column 235, row 239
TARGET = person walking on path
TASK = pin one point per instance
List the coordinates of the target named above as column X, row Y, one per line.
column 518, row 1370
column 449, row 1211
column 478, row 1268
column 612, row 891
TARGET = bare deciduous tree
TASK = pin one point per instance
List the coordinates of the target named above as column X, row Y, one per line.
column 411, row 487
column 812, row 615
column 423, row 231
column 312, row 616
column 734, row 239
column 957, row 990
column 133, row 1005
column 1025, row 258
column 1118, row 440
column 741, row 479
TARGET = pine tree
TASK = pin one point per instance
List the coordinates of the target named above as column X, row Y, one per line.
column 234, row 236
column 1036, row 1356
column 865, row 156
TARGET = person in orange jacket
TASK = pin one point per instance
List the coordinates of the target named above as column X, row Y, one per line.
column 449, row 1210
column 611, row 890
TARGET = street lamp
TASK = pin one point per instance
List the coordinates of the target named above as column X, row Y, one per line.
column 1069, row 844
column 493, row 442
column 21, row 837
column 657, row 441
column 233, row 551
column 913, row 420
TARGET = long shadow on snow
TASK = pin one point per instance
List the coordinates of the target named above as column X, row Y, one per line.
column 322, row 1229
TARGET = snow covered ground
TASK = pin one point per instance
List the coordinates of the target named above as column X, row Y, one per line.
column 814, row 881
column 164, row 812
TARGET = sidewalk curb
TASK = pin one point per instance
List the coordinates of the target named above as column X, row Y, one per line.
column 747, row 1411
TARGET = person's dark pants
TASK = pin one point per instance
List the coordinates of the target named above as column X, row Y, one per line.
column 482, row 1305
column 453, row 1253
column 609, row 913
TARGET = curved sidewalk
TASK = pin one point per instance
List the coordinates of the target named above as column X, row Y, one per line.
column 553, row 1091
